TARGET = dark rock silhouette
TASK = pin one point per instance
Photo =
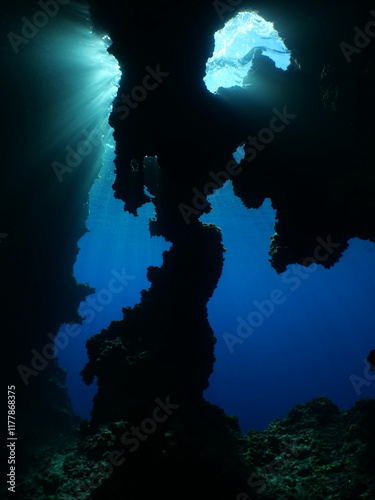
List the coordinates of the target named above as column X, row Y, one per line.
column 319, row 175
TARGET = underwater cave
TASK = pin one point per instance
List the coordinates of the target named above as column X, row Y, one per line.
column 236, row 46
column 187, row 249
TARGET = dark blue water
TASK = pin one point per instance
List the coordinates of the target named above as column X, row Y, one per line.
column 313, row 342
column 114, row 256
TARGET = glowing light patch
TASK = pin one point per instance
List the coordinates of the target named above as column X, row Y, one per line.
column 86, row 74
column 232, row 57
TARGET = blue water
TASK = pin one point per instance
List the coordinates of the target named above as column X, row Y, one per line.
column 113, row 259
column 313, row 343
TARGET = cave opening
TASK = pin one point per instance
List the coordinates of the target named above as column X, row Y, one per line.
column 286, row 338
column 117, row 248
column 236, row 45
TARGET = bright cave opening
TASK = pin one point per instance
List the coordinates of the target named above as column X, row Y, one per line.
column 237, row 43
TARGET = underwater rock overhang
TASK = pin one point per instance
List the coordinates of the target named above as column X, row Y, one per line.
column 319, row 187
